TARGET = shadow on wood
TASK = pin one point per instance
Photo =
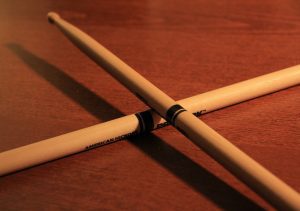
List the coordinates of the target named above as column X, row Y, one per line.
column 171, row 159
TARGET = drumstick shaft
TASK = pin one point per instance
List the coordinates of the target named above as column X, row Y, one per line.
column 241, row 165
column 125, row 127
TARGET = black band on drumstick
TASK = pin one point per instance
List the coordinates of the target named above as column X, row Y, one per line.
column 173, row 112
column 145, row 121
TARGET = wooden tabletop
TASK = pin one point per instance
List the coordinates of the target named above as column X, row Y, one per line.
column 48, row 88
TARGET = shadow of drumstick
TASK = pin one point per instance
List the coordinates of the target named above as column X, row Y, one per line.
column 197, row 177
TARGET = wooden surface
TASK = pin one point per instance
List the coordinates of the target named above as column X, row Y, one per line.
column 48, row 87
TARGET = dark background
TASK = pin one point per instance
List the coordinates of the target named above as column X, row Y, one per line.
column 48, row 87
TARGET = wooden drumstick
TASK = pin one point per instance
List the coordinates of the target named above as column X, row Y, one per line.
column 127, row 126
column 241, row 165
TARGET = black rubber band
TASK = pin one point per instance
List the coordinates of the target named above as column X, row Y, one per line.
column 173, row 112
column 141, row 122
column 145, row 121
column 176, row 114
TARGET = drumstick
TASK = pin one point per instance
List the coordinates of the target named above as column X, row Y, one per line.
column 241, row 165
column 125, row 127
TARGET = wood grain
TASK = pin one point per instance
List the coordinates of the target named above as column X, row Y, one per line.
column 47, row 88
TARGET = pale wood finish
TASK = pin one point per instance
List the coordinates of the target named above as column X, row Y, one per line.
column 48, row 88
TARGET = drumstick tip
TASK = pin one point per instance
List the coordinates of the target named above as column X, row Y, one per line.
column 52, row 16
